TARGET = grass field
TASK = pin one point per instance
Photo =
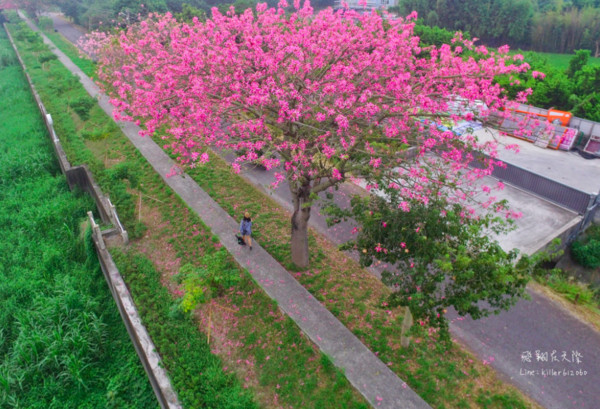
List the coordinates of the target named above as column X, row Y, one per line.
column 559, row 61
column 62, row 341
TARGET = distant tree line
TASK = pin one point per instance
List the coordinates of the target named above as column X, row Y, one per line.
column 575, row 89
column 541, row 25
column 94, row 13
column 560, row 26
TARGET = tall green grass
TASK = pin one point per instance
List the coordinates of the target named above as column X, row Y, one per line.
column 62, row 342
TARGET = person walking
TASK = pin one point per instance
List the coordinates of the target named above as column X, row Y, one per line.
column 246, row 229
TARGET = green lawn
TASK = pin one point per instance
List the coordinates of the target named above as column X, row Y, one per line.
column 559, row 61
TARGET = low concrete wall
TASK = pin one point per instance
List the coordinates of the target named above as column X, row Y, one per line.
column 81, row 177
column 566, row 235
column 137, row 332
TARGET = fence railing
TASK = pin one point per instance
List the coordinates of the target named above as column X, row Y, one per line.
column 167, row 398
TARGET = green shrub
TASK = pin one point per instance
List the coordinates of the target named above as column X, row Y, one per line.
column 95, row 133
column 23, row 33
column 45, row 23
column 46, row 56
column 82, row 105
column 587, row 252
column 433, row 35
column 7, row 58
column 213, row 279
column 123, row 171
column 62, row 82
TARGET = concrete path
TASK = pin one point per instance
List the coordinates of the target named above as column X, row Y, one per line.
column 371, row 377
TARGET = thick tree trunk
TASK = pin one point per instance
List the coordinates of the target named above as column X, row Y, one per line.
column 299, row 244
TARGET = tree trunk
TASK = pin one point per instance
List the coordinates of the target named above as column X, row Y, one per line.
column 299, row 244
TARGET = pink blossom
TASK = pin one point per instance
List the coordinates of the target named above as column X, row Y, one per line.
column 336, row 174
column 311, row 88
column 375, row 162
column 537, row 74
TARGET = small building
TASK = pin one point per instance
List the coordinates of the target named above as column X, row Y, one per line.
column 371, row 4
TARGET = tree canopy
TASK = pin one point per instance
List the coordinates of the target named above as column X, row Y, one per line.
column 436, row 256
column 552, row 26
column 319, row 96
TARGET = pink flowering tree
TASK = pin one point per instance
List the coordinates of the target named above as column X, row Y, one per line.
column 319, row 97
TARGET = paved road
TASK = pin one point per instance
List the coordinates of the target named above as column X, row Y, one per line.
column 504, row 340
column 564, row 368
column 66, row 28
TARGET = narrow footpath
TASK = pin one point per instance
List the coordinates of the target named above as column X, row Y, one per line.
column 371, row 377
column 538, row 346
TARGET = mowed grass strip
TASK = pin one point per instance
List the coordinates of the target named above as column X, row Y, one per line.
column 262, row 355
column 62, row 341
